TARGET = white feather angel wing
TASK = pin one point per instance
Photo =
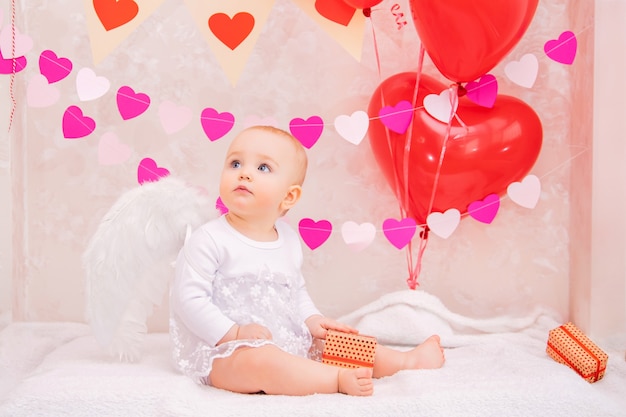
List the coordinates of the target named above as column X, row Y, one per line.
column 128, row 261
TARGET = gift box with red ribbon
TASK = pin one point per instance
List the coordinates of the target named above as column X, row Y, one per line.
column 568, row 345
column 349, row 350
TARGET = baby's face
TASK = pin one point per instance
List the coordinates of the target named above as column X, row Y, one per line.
column 259, row 169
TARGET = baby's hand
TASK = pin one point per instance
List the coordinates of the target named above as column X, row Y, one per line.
column 318, row 325
column 253, row 331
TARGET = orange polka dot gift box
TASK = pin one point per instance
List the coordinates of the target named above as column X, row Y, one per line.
column 568, row 345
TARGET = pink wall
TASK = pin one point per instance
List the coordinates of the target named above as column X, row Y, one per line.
column 555, row 255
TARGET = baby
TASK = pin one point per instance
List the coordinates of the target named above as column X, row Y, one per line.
column 241, row 317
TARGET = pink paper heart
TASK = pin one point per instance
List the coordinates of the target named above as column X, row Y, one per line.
column 216, row 124
column 18, row 41
column 219, row 204
column 307, row 131
column 6, row 65
column 111, row 151
column 313, row 233
column 563, row 49
column 484, row 91
column 174, row 117
column 485, row 210
column 149, row 171
column 52, row 67
column 41, row 94
column 397, row 118
column 75, row 125
column 131, row 104
column 399, row 232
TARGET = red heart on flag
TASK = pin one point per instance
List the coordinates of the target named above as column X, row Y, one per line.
column 231, row 31
column 335, row 10
column 115, row 13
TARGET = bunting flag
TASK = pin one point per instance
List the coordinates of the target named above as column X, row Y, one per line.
column 342, row 22
column 231, row 29
column 109, row 22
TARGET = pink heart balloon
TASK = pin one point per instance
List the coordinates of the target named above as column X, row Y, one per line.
column 131, row 104
column 216, row 124
column 75, row 124
column 313, row 233
column 307, row 131
column 53, row 67
column 399, row 232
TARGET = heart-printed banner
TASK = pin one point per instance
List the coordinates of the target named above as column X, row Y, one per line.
column 131, row 104
column 115, row 13
column 231, row 31
column 314, row 233
column 399, row 232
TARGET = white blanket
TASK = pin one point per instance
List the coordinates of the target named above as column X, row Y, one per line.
column 496, row 367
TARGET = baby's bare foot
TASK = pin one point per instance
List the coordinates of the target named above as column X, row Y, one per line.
column 428, row 355
column 355, row 381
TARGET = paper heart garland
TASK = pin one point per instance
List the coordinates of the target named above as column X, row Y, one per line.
column 111, row 151
column 314, row 233
column 41, row 94
column 307, row 131
column 563, row 49
column 523, row 72
column 6, row 64
column 23, row 43
column 216, row 124
column 440, row 106
column 115, row 13
column 90, row 86
column 231, row 32
column 131, row 104
column 149, row 171
column 399, row 232
column 174, row 117
column 353, row 128
column 358, row 236
column 525, row 193
column 53, row 67
column 485, row 210
column 498, row 146
column 484, row 91
column 397, row 117
column 75, row 125
column 444, row 224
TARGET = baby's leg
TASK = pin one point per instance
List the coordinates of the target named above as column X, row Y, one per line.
column 274, row 371
column 428, row 355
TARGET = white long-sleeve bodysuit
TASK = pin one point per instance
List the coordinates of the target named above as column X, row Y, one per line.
column 223, row 278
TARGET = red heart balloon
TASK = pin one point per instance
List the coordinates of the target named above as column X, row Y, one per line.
column 498, row 146
column 467, row 38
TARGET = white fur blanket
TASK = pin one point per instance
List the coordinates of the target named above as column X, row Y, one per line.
column 496, row 367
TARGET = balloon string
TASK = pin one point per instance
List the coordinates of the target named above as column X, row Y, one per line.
column 14, row 68
column 396, row 180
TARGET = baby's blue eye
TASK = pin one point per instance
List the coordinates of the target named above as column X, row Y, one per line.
column 264, row 168
column 235, row 164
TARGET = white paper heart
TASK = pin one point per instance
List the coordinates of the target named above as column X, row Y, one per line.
column 523, row 72
column 439, row 106
column 444, row 224
column 89, row 86
column 358, row 236
column 525, row 193
column 174, row 117
column 23, row 43
column 111, row 151
column 354, row 127
column 41, row 94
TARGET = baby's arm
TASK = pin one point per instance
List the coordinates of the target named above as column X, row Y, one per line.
column 318, row 325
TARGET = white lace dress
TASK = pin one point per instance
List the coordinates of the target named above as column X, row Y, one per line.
column 223, row 278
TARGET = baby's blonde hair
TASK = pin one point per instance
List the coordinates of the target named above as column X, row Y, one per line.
column 301, row 156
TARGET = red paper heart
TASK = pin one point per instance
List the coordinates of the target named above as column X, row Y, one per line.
column 231, row 31
column 500, row 146
column 335, row 10
column 115, row 13
column 467, row 38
